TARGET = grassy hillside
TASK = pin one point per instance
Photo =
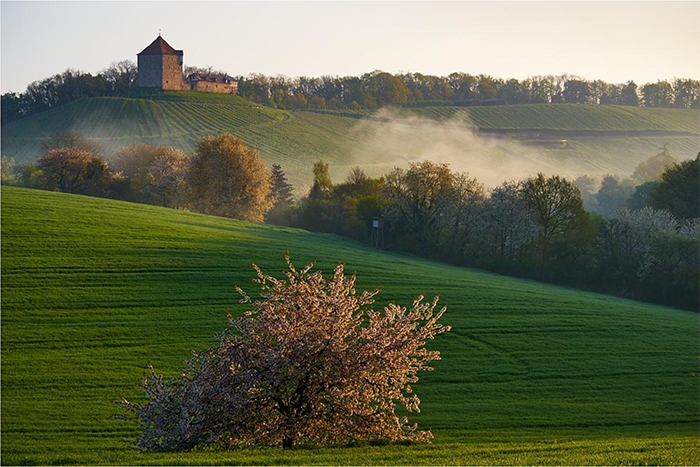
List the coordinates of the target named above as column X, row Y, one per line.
column 297, row 139
column 532, row 374
column 560, row 117
column 179, row 119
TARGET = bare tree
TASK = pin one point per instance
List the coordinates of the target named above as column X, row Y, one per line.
column 168, row 179
column 70, row 139
column 416, row 200
column 156, row 174
column 120, row 76
column 72, row 170
column 463, row 212
column 651, row 169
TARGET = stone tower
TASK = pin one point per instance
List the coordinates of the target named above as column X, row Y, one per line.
column 160, row 66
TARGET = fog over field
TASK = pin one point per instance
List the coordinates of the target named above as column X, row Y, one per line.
column 403, row 139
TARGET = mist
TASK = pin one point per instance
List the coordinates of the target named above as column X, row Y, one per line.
column 391, row 139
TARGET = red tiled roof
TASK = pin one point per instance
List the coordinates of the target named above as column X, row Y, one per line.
column 160, row 47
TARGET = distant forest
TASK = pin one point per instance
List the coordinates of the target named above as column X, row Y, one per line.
column 369, row 91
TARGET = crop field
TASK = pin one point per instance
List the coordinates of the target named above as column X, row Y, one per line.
column 95, row 289
column 573, row 117
column 559, row 117
column 297, row 139
column 622, row 154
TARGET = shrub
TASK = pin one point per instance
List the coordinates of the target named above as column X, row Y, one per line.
column 308, row 363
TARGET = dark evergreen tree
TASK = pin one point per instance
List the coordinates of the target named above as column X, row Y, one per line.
column 281, row 189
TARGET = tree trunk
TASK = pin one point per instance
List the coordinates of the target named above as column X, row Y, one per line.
column 287, row 443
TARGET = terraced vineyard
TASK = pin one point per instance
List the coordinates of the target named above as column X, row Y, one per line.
column 600, row 139
column 179, row 119
column 94, row 289
column 118, row 121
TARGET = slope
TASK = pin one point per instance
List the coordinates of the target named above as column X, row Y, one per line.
column 558, row 117
column 180, row 119
column 95, row 289
column 566, row 139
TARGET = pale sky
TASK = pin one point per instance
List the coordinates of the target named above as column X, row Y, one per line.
column 613, row 41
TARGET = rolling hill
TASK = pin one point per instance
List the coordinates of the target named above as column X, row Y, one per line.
column 94, row 289
column 557, row 117
column 512, row 141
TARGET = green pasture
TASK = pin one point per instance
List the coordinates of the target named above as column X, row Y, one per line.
column 560, row 117
column 93, row 290
column 571, row 117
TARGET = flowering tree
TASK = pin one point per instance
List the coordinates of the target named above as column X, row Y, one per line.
column 651, row 249
column 309, row 362
column 508, row 227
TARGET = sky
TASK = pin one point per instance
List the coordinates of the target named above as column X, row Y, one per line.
column 613, row 41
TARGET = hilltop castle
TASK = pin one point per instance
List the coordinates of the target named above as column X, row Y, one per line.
column 160, row 66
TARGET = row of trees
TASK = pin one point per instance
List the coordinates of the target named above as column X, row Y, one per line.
column 645, row 246
column 115, row 80
column 224, row 177
column 369, row 91
column 379, row 88
column 536, row 227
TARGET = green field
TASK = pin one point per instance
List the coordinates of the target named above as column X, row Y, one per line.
column 296, row 139
column 94, row 289
column 561, row 117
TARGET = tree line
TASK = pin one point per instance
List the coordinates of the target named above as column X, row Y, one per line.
column 368, row 91
column 45, row 94
column 223, row 177
column 640, row 242
column 645, row 248
column 379, row 88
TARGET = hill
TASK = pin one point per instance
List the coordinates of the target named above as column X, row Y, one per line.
column 574, row 118
column 94, row 289
column 567, row 139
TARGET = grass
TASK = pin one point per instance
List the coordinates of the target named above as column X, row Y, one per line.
column 559, row 117
column 297, row 139
column 532, row 374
